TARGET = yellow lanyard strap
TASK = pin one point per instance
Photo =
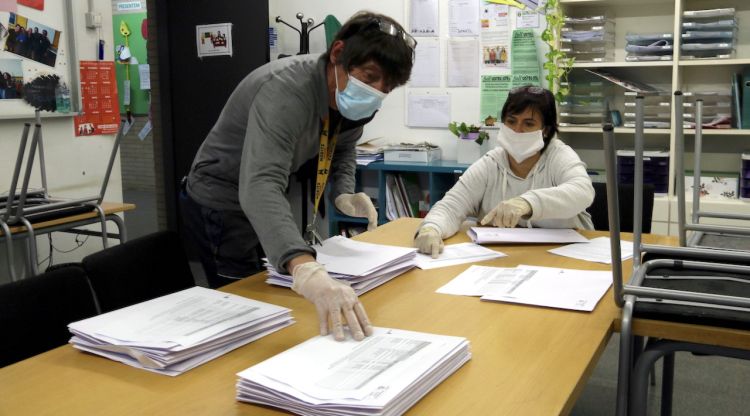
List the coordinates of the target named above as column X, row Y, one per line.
column 325, row 156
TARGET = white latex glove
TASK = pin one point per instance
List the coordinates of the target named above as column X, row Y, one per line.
column 507, row 213
column 358, row 205
column 332, row 299
column 429, row 241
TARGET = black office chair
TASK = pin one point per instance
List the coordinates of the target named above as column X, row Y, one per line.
column 598, row 208
column 138, row 270
column 35, row 312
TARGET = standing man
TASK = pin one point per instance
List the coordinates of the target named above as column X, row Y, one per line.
column 280, row 116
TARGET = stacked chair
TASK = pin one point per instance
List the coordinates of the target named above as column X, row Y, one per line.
column 690, row 285
column 26, row 207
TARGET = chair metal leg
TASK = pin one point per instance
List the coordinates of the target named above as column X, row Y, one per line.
column 9, row 250
column 638, row 403
column 667, row 384
column 121, row 230
column 31, row 241
column 626, row 358
column 103, row 220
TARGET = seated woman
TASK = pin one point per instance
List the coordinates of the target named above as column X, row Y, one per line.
column 532, row 178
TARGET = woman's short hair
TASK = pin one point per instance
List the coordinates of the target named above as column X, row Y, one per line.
column 539, row 100
column 365, row 41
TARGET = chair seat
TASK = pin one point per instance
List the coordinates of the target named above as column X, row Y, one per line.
column 699, row 314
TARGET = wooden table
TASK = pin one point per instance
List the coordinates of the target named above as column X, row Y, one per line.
column 69, row 224
column 526, row 360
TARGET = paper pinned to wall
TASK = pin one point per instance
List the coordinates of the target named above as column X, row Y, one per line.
column 426, row 69
column 492, row 94
column 145, row 76
column 463, row 63
column 429, row 110
column 463, row 18
column 424, row 18
column 527, row 19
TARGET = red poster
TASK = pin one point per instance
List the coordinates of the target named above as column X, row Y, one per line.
column 100, row 113
column 34, row 4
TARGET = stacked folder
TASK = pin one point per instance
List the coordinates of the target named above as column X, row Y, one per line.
column 385, row 374
column 717, row 109
column 589, row 38
column 585, row 105
column 649, row 47
column 709, row 34
column 657, row 109
column 363, row 266
column 180, row 331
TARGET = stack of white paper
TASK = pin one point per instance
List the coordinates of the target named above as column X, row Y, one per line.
column 180, row 331
column 385, row 374
column 578, row 290
column 363, row 266
column 494, row 235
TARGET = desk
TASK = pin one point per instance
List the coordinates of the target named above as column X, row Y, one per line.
column 68, row 224
column 526, row 360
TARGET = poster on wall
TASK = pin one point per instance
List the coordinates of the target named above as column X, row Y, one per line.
column 34, row 4
column 101, row 112
column 8, row 6
column 495, row 25
column 214, row 40
column 11, row 79
column 32, row 40
column 130, row 37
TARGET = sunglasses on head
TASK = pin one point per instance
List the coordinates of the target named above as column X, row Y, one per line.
column 393, row 30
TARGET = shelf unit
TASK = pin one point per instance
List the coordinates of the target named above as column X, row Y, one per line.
column 722, row 147
column 441, row 175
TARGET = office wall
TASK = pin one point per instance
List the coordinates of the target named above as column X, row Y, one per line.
column 390, row 122
column 75, row 166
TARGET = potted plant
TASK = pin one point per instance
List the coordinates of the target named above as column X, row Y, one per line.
column 468, row 132
column 472, row 143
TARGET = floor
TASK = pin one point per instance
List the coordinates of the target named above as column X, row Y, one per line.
column 703, row 385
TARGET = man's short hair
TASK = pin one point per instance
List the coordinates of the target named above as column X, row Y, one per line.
column 364, row 41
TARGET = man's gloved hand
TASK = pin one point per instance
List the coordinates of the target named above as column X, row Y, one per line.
column 507, row 213
column 332, row 299
column 358, row 205
column 429, row 241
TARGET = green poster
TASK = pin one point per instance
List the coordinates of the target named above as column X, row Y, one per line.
column 493, row 92
column 129, row 16
column 524, row 60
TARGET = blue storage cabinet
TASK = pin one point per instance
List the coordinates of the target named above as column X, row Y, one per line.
column 441, row 176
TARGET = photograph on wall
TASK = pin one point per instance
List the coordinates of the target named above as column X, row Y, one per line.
column 11, row 79
column 32, row 40
column 214, row 40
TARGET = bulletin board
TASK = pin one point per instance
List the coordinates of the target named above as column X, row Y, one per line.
column 27, row 62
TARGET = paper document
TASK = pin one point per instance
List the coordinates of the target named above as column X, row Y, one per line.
column 384, row 374
column 463, row 63
column 463, row 18
column 494, row 235
column 429, row 110
column 426, row 69
column 476, row 280
column 596, row 250
column 424, row 18
column 578, row 290
column 457, row 254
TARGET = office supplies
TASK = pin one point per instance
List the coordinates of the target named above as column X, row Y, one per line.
column 180, row 331
column 493, row 235
column 385, row 374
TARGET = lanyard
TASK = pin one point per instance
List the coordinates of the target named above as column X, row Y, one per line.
column 325, row 156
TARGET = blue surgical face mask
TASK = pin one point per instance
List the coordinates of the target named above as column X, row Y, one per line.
column 358, row 100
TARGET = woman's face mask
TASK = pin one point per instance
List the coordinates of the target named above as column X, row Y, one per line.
column 520, row 146
column 358, row 100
